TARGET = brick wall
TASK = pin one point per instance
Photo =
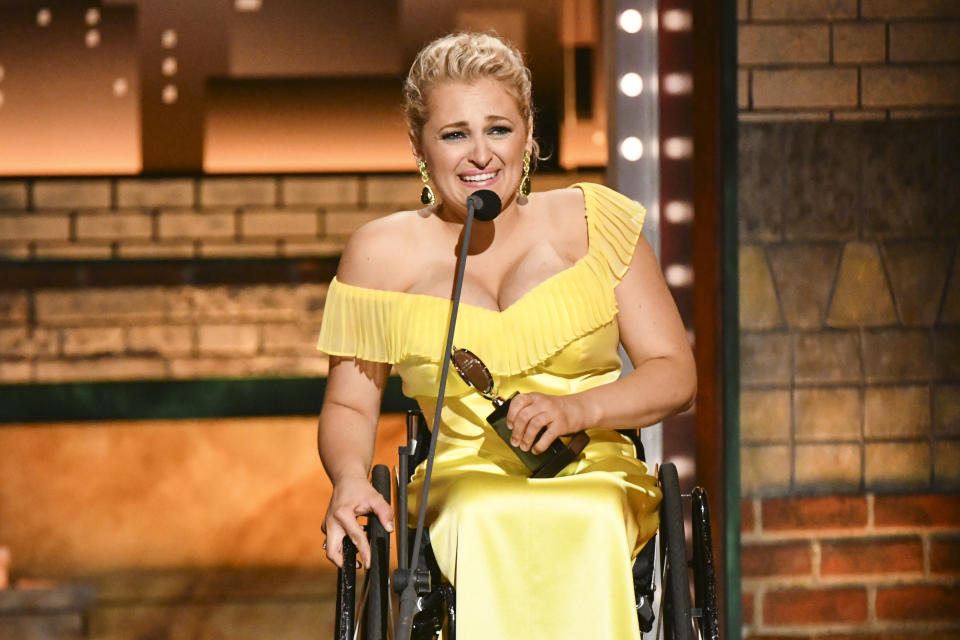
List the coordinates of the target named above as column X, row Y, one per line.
column 848, row 59
column 850, row 317
column 865, row 565
column 160, row 332
column 140, row 328
column 131, row 218
column 850, row 377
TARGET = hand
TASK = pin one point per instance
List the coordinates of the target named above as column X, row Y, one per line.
column 353, row 497
column 531, row 413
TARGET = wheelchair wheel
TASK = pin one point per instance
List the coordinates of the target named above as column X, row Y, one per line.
column 704, row 578
column 675, row 577
column 374, row 603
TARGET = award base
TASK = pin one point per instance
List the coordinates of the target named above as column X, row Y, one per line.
column 541, row 465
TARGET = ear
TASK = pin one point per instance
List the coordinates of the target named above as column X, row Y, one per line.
column 530, row 133
column 414, row 147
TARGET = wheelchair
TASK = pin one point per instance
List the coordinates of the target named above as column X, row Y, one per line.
column 365, row 611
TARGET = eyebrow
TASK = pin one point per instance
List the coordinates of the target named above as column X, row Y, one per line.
column 464, row 123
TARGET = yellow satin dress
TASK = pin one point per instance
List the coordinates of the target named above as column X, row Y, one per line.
column 530, row 558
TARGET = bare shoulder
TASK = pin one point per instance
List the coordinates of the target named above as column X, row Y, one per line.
column 562, row 214
column 381, row 254
column 568, row 201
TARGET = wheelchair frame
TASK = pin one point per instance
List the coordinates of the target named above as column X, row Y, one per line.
column 680, row 619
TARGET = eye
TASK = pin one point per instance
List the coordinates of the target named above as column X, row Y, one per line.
column 500, row 130
column 453, row 135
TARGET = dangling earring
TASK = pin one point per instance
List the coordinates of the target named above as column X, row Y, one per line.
column 524, row 189
column 426, row 196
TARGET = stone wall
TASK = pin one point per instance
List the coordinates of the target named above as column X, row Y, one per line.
column 849, row 307
column 850, row 317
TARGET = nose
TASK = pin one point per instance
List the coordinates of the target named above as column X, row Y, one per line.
column 480, row 154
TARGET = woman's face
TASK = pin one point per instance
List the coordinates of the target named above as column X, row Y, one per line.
column 474, row 138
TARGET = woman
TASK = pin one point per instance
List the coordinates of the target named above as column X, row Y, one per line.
column 552, row 285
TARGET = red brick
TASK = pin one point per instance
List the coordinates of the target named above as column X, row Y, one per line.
column 918, row 602
column 747, row 607
column 899, row 555
column 783, row 559
column 747, row 521
column 916, row 510
column 945, row 555
column 886, row 634
column 814, row 606
column 814, row 513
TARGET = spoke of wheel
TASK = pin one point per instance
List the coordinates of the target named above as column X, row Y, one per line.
column 664, row 572
column 361, row 604
column 391, row 617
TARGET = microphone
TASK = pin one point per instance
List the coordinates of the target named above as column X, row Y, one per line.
column 484, row 205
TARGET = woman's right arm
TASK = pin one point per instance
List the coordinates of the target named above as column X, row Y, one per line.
column 345, row 438
column 351, row 405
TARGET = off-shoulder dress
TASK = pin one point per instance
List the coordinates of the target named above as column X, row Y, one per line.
column 530, row 558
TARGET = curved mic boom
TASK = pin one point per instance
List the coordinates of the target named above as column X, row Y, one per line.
column 485, row 204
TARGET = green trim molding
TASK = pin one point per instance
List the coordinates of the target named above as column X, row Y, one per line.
column 173, row 399
column 730, row 286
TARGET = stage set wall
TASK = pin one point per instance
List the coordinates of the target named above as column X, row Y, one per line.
column 209, row 527
column 849, row 318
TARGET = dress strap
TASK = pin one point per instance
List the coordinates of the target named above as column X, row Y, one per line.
column 615, row 223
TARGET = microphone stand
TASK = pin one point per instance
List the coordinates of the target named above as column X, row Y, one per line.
column 408, row 598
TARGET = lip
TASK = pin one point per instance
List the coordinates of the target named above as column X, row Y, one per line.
column 494, row 176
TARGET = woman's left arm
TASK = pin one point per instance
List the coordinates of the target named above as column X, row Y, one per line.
column 663, row 381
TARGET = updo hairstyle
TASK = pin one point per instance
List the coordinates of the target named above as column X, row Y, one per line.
column 466, row 57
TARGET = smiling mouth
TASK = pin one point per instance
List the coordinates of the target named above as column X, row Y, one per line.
column 480, row 177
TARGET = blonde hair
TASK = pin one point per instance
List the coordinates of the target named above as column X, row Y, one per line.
column 466, row 57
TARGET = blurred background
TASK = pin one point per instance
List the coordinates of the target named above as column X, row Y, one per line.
column 177, row 180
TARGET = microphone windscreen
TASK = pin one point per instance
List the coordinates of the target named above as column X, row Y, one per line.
column 486, row 205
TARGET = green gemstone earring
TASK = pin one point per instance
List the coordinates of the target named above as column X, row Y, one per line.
column 524, row 189
column 426, row 196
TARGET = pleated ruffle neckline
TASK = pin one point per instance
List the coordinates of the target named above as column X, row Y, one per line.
column 391, row 326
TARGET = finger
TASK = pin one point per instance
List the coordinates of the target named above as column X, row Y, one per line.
column 535, row 427
column 518, row 404
column 532, row 429
column 546, row 438
column 522, row 419
column 348, row 520
column 334, row 546
column 384, row 513
column 520, row 426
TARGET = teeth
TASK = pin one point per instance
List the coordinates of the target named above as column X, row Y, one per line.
column 478, row 178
